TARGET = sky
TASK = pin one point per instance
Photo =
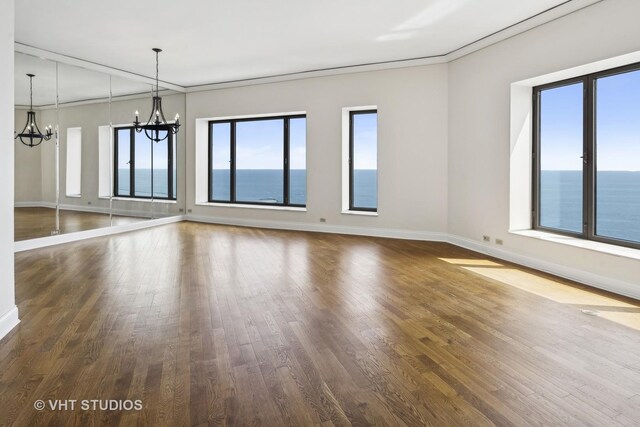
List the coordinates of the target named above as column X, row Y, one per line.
column 617, row 124
column 259, row 144
column 365, row 140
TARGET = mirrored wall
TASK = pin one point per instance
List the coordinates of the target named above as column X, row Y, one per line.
column 92, row 169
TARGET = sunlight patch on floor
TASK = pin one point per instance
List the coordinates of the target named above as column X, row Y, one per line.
column 478, row 262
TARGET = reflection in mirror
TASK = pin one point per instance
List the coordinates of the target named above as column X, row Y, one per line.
column 96, row 171
column 147, row 177
column 35, row 209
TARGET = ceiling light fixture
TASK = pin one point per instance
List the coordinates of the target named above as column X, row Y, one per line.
column 157, row 128
column 30, row 134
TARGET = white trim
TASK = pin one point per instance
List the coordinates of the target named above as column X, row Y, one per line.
column 250, row 206
column 361, row 213
column 431, row 236
column 594, row 280
column 9, row 321
column 96, row 209
column 42, row 242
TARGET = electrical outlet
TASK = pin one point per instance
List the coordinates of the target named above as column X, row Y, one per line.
column 486, row 238
column 498, row 241
column 180, row 210
column 323, row 219
column 88, row 203
column 188, row 210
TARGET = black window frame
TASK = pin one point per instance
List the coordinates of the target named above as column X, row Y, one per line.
column 352, row 207
column 589, row 147
column 132, row 163
column 232, row 153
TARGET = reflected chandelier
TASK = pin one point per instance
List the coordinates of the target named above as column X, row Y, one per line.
column 30, row 134
column 157, row 125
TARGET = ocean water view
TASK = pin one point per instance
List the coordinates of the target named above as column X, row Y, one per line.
column 143, row 183
column 265, row 186
column 617, row 202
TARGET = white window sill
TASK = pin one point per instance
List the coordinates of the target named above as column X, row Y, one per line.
column 362, row 213
column 74, row 196
column 243, row 206
column 133, row 199
column 606, row 248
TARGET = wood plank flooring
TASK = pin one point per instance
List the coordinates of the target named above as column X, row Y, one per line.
column 216, row 325
column 31, row 223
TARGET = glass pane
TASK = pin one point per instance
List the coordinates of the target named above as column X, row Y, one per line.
column 161, row 168
column 220, row 161
column 365, row 160
column 618, row 156
column 123, row 162
column 175, row 167
column 142, row 183
column 298, row 161
column 259, row 161
column 561, row 147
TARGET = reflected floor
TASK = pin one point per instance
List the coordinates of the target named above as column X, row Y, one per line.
column 31, row 223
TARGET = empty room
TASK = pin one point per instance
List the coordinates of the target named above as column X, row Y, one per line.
column 288, row 213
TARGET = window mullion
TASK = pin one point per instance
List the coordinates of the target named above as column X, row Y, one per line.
column 232, row 177
column 286, row 169
column 132, row 163
column 588, row 158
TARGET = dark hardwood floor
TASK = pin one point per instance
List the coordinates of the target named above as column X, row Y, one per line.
column 225, row 325
column 31, row 223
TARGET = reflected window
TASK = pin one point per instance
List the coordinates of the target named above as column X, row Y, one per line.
column 363, row 160
column 142, row 167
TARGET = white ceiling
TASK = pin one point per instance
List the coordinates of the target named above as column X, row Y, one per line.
column 207, row 41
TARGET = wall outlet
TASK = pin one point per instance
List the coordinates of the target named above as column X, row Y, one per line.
column 486, row 238
column 498, row 241
column 180, row 210
column 88, row 203
column 323, row 219
column 188, row 210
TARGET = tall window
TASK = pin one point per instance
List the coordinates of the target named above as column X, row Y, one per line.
column 587, row 156
column 363, row 160
column 258, row 161
column 138, row 174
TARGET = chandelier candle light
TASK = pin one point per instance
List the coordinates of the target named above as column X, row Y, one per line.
column 31, row 135
column 157, row 128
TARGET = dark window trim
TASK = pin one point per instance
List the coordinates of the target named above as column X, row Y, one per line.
column 589, row 150
column 232, row 169
column 132, row 167
column 352, row 207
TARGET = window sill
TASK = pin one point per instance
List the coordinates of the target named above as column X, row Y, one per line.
column 133, row 199
column 606, row 248
column 73, row 196
column 243, row 206
column 361, row 213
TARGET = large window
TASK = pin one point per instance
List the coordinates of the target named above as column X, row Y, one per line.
column 363, row 160
column 587, row 156
column 258, row 161
column 144, row 168
column 74, row 162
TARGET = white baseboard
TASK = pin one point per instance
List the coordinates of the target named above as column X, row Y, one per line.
column 324, row 228
column 9, row 321
column 42, row 242
column 594, row 280
column 82, row 208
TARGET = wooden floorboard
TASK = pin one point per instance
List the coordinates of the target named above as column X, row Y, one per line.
column 218, row 325
column 35, row 222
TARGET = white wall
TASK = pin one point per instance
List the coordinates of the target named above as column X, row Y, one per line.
column 479, row 134
column 8, row 309
column 412, row 146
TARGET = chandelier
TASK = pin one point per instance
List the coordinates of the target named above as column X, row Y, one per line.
column 31, row 135
column 157, row 128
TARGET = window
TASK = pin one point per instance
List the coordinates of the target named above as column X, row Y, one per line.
column 74, row 162
column 587, row 157
column 143, row 167
column 258, row 161
column 363, row 160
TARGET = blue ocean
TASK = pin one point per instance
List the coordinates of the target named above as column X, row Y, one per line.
column 617, row 202
column 253, row 185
